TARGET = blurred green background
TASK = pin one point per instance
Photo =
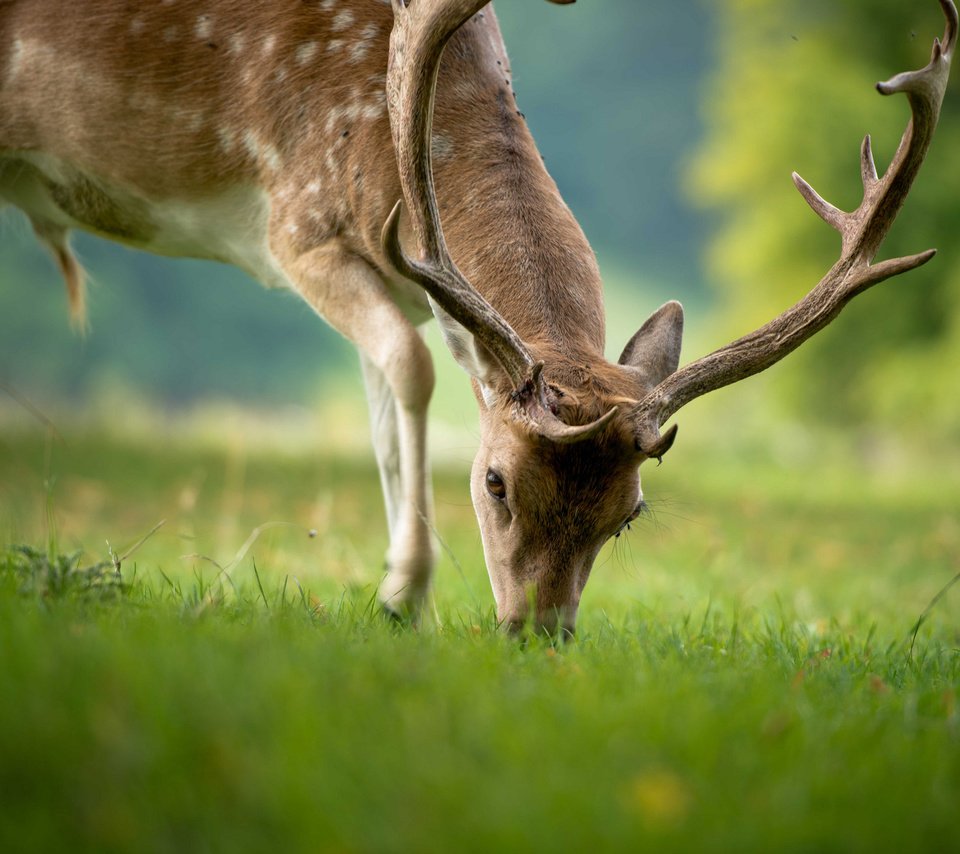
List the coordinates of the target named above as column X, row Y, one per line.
column 672, row 127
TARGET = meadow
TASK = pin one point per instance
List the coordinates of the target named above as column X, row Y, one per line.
column 192, row 658
column 744, row 675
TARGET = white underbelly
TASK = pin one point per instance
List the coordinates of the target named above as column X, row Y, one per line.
column 231, row 226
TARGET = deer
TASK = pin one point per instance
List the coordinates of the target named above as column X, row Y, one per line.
column 369, row 155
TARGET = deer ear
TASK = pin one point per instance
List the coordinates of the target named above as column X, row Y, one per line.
column 655, row 350
column 468, row 353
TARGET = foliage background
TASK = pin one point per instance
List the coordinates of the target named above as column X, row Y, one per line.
column 792, row 86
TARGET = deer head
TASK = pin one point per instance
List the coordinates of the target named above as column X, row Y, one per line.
column 557, row 471
column 550, row 489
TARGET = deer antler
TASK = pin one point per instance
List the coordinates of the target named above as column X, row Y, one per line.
column 862, row 231
column 421, row 29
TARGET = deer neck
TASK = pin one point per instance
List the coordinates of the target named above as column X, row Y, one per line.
column 513, row 236
column 516, row 241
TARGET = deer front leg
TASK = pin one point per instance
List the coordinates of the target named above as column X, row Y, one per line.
column 384, row 434
column 350, row 295
column 399, row 442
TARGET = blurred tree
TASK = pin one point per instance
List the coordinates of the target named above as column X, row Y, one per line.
column 610, row 91
column 793, row 89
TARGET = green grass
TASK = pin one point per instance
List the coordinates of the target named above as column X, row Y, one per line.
column 742, row 678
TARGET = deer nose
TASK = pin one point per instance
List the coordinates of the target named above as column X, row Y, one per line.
column 559, row 623
column 550, row 623
column 513, row 626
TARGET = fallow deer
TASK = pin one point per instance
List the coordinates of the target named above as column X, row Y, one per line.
column 280, row 136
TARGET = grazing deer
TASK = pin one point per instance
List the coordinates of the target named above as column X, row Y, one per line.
column 279, row 136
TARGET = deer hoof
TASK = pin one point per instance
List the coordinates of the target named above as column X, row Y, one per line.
column 402, row 595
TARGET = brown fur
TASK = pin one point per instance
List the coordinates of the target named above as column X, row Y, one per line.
column 155, row 93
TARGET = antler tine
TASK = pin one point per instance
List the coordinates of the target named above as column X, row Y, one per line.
column 952, row 26
column 868, row 169
column 862, row 232
column 421, row 30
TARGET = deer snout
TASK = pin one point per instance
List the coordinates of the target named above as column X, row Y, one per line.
column 551, row 621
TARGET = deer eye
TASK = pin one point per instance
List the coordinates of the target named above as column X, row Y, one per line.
column 495, row 485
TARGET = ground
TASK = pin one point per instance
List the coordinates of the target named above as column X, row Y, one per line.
column 744, row 676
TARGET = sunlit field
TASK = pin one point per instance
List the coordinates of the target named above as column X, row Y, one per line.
column 743, row 677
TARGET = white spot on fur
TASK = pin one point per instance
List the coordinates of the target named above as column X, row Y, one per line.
column 280, row 74
column 293, row 228
column 204, row 27
column 313, row 188
column 237, row 43
column 261, row 152
column 272, row 158
column 333, row 118
column 228, row 138
column 144, row 102
column 306, row 52
column 327, row 5
column 137, row 25
column 359, row 50
column 342, row 20
column 464, row 89
column 252, row 144
column 334, row 45
column 189, row 118
column 364, row 42
column 16, row 59
column 269, row 43
column 348, row 114
column 442, row 147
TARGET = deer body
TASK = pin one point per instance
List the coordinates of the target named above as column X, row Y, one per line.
column 218, row 130
column 279, row 136
column 243, row 132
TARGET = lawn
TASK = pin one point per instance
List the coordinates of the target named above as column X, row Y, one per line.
column 743, row 677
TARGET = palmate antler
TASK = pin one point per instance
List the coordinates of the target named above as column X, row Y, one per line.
column 862, row 230
column 421, row 29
